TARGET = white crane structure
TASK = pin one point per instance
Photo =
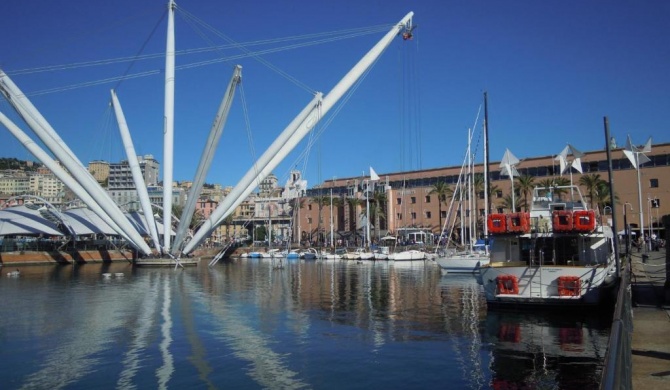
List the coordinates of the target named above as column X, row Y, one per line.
column 77, row 178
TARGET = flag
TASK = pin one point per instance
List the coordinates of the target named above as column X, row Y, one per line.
column 373, row 174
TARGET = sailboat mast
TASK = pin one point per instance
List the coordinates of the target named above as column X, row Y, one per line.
column 471, row 174
column 367, row 213
column 168, row 129
column 332, row 245
column 486, row 166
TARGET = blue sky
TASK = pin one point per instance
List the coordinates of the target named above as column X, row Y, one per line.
column 552, row 69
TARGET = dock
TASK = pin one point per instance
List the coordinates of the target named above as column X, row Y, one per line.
column 651, row 321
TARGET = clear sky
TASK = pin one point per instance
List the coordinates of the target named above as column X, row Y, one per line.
column 552, row 69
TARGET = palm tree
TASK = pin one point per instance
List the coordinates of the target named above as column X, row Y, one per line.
column 378, row 210
column 548, row 184
column 508, row 202
column 336, row 201
column 354, row 203
column 525, row 183
column 560, row 182
column 603, row 197
column 296, row 204
column 443, row 191
column 320, row 201
column 592, row 183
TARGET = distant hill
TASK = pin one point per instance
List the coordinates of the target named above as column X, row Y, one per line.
column 13, row 163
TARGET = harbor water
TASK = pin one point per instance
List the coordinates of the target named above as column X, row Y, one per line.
column 262, row 323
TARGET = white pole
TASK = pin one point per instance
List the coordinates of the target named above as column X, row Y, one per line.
column 168, row 130
column 332, row 245
column 367, row 212
column 639, row 201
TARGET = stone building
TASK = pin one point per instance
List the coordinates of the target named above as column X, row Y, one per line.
column 409, row 200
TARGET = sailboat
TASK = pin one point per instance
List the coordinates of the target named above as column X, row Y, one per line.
column 475, row 254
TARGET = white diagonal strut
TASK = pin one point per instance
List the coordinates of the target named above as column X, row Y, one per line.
column 206, row 158
column 45, row 132
column 311, row 119
column 135, row 170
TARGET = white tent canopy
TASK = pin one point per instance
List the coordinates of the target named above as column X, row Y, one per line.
column 30, row 220
column 22, row 220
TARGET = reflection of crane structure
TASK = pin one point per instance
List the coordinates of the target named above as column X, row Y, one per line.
column 463, row 309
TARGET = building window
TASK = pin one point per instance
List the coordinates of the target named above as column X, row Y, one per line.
column 413, row 199
column 399, row 216
column 309, row 220
column 499, row 194
column 653, row 183
column 427, row 199
column 443, row 214
column 500, row 210
column 309, row 207
column 413, row 215
column 481, row 212
column 398, row 201
column 428, row 214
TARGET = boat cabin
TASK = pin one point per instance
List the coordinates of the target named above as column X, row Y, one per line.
column 557, row 231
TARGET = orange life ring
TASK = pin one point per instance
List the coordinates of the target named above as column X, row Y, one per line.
column 562, row 220
column 518, row 223
column 584, row 220
column 497, row 223
column 507, row 284
column 569, row 286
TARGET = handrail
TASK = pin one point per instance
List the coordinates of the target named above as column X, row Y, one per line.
column 618, row 366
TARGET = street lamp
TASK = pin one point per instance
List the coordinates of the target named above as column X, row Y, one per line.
column 651, row 228
column 637, row 157
column 626, row 227
column 609, row 221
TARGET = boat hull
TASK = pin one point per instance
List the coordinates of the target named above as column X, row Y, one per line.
column 462, row 263
column 410, row 255
column 541, row 286
column 166, row 262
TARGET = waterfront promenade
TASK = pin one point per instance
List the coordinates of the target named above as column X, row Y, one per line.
column 651, row 322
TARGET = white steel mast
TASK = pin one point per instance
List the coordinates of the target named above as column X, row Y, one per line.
column 136, row 171
column 168, row 129
column 295, row 132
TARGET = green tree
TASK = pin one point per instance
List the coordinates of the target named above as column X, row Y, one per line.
column 592, row 184
column 508, row 202
column 354, row 203
column 560, row 182
column 378, row 210
column 443, row 191
column 525, row 184
column 320, row 201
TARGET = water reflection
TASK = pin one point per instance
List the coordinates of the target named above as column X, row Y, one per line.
column 539, row 350
column 249, row 323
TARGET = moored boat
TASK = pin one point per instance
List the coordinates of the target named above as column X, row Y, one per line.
column 554, row 255
column 408, row 255
column 462, row 262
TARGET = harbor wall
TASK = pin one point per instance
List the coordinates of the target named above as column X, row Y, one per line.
column 63, row 257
